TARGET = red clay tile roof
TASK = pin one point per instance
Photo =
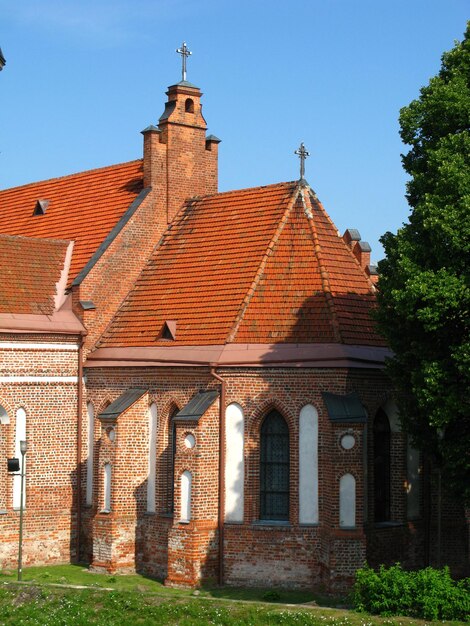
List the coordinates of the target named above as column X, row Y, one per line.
column 31, row 273
column 263, row 265
column 82, row 208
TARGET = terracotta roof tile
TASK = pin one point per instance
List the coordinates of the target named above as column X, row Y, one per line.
column 262, row 265
column 31, row 272
column 82, row 208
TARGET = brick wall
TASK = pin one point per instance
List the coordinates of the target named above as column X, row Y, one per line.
column 51, row 432
column 161, row 544
column 255, row 553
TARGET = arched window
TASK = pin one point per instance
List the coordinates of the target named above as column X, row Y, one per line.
column 20, row 435
column 234, row 463
column 171, row 454
column 107, row 488
column 347, row 501
column 189, row 105
column 186, row 486
column 274, row 468
column 4, row 420
column 381, row 467
column 152, row 458
column 308, row 465
column 4, row 417
column 89, row 462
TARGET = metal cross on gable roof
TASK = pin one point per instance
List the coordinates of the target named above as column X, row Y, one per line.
column 303, row 154
column 185, row 53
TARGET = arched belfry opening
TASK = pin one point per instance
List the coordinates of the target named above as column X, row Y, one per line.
column 189, row 105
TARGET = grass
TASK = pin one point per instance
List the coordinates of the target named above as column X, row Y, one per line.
column 80, row 575
column 135, row 600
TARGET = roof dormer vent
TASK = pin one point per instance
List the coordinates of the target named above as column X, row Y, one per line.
column 168, row 330
column 41, row 207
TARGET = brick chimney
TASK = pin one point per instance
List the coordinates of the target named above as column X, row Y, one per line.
column 372, row 273
column 351, row 235
column 179, row 160
column 362, row 250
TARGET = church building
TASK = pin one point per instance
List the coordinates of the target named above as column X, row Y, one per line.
column 198, row 378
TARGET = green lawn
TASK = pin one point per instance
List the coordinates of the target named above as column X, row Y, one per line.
column 135, row 600
column 80, row 575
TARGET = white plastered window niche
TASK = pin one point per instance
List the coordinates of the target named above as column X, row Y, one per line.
column 4, row 421
column 234, row 463
column 186, row 488
column 20, row 435
column 347, row 501
column 107, row 488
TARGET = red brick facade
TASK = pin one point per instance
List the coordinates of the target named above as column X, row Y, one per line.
column 263, row 266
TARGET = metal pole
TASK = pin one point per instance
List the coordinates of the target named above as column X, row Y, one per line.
column 20, row 546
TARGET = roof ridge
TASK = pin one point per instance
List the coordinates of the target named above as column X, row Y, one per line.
column 48, row 239
column 82, row 173
column 373, row 288
column 247, row 189
column 251, row 291
column 324, row 276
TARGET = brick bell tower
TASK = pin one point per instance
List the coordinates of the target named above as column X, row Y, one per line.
column 179, row 160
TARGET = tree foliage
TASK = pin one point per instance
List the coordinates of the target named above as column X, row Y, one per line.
column 424, row 285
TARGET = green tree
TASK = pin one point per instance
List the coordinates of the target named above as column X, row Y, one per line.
column 424, row 285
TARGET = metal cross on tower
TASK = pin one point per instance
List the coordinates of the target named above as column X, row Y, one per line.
column 303, row 154
column 185, row 52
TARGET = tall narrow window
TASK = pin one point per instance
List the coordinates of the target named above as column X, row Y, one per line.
column 274, row 468
column 186, row 486
column 152, row 458
column 308, row 465
column 107, row 488
column 20, row 435
column 234, row 463
column 381, row 467
column 347, row 501
column 171, row 454
column 4, row 420
column 89, row 461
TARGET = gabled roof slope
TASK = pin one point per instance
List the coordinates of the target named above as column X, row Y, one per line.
column 263, row 266
column 81, row 207
column 31, row 274
column 201, row 273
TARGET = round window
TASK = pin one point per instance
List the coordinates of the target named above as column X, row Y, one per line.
column 348, row 442
column 189, row 440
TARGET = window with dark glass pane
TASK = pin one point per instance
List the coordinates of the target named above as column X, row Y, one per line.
column 274, row 468
column 171, row 454
column 381, row 467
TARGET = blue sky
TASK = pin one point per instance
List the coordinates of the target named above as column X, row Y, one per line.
column 83, row 77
